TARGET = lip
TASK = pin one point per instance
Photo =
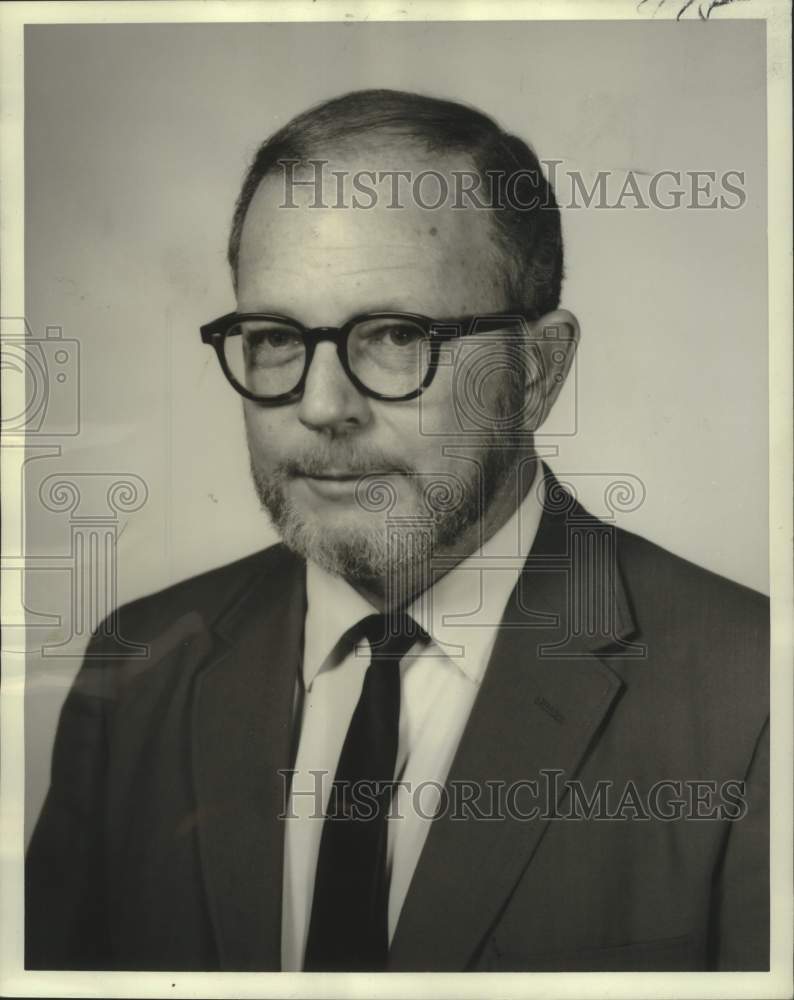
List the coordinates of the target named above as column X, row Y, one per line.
column 337, row 475
column 336, row 485
column 331, row 486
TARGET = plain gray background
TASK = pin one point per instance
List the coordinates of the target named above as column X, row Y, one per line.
column 136, row 140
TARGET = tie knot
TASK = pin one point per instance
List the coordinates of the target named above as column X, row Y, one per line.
column 391, row 635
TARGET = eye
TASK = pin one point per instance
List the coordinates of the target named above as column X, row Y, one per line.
column 279, row 338
column 389, row 334
column 270, row 337
column 403, row 336
column 264, row 344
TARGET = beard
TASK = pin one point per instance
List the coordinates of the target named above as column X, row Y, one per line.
column 383, row 542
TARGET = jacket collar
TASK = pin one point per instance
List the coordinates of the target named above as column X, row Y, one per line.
column 546, row 692
column 240, row 750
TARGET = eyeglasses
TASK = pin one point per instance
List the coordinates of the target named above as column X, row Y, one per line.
column 386, row 355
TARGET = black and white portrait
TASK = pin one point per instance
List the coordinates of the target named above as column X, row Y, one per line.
column 396, row 496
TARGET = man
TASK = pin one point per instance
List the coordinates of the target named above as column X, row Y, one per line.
column 452, row 721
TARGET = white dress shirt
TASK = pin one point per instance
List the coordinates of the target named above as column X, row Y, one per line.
column 439, row 682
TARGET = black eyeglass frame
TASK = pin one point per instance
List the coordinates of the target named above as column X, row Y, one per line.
column 439, row 331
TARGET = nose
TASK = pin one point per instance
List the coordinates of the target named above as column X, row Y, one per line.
column 330, row 401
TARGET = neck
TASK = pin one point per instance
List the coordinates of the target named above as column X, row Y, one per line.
column 405, row 583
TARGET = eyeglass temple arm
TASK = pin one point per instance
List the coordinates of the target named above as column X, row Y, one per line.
column 470, row 325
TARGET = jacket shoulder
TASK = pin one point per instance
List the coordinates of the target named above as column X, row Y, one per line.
column 658, row 577
column 198, row 600
column 706, row 641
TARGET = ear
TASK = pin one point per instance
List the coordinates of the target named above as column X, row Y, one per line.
column 553, row 339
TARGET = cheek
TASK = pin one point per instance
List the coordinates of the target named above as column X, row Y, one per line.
column 437, row 417
column 267, row 432
column 418, row 435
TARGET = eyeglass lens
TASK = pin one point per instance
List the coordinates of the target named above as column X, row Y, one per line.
column 389, row 355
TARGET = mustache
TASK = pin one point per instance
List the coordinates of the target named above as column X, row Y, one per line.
column 343, row 463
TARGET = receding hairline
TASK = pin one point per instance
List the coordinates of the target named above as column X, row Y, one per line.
column 346, row 152
column 529, row 243
column 484, row 232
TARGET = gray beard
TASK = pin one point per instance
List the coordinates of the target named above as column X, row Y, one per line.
column 380, row 549
column 382, row 553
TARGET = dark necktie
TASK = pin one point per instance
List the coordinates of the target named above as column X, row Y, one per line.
column 348, row 931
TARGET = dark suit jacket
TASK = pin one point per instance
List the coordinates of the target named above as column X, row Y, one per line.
column 159, row 845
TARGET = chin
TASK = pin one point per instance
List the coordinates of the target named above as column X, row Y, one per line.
column 345, row 549
column 353, row 544
column 373, row 535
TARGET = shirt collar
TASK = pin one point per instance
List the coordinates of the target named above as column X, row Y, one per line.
column 461, row 611
column 333, row 607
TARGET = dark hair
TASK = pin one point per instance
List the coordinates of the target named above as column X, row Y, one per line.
column 530, row 239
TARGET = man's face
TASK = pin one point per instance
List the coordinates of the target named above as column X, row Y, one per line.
column 322, row 266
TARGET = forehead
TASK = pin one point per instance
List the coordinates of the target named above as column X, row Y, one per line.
column 349, row 251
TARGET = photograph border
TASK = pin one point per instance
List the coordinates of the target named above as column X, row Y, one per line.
column 14, row 980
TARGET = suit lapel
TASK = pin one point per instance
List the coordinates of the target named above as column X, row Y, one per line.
column 544, row 696
column 241, row 740
column 543, row 699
